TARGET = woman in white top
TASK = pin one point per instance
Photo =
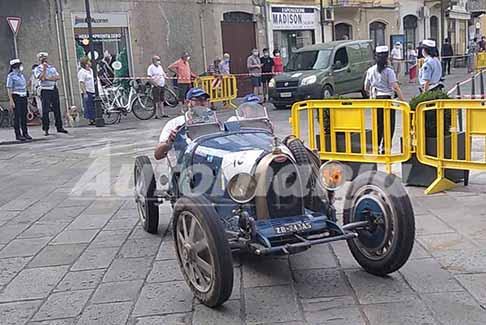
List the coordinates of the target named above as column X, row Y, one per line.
column 381, row 83
column 87, row 86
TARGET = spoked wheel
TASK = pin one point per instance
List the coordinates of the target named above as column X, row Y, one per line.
column 111, row 116
column 170, row 99
column 145, row 186
column 385, row 245
column 143, row 107
column 203, row 251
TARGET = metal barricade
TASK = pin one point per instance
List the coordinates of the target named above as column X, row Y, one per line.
column 220, row 88
column 480, row 61
column 454, row 133
column 348, row 130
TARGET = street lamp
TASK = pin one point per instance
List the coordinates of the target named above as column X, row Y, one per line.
column 100, row 121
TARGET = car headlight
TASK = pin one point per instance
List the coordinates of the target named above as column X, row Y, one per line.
column 308, row 80
column 242, row 188
column 332, row 175
column 272, row 83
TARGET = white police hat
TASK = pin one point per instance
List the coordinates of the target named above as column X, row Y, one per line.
column 428, row 43
column 14, row 61
column 381, row 49
column 42, row 55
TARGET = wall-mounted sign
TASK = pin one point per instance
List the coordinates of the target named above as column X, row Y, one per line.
column 100, row 20
column 293, row 18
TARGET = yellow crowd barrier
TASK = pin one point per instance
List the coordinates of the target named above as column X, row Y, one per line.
column 458, row 123
column 348, row 130
column 480, row 61
column 220, row 88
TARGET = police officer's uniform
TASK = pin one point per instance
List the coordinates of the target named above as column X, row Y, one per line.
column 431, row 70
column 49, row 95
column 17, row 86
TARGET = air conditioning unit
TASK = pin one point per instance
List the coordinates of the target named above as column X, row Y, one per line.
column 328, row 14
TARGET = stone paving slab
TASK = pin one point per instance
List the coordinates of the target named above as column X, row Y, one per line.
column 80, row 259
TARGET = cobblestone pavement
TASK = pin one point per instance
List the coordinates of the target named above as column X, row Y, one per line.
column 72, row 250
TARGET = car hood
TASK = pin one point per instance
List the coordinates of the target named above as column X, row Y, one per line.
column 297, row 75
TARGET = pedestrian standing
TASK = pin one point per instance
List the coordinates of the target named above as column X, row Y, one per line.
column 412, row 63
column 254, row 66
column 381, row 83
column 472, row 50
column 482, row 44
column 157, row 80
column 106, row 72
column 420, row 48
column 34, row 86
column 17, row 95
column 87, row 87
column 278, row 66
column 267, row 72
column 431, row 71
column 48, row 76
column 224, row 65
column 446, row 52
column 182, row 69
column 397, row 58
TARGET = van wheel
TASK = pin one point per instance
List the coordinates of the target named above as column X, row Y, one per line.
column 327, row 92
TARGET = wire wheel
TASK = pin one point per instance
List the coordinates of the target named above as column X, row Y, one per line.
column 193, row 246
column 170, row 98
column 143, row 108
column 111, row 116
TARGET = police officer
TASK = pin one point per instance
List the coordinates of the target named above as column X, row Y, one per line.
column 431, row 72
column 48, row 76
column 17, row 94
column 381, row 83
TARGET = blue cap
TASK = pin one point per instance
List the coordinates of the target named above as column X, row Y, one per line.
column 196, row 93
column 251, row 98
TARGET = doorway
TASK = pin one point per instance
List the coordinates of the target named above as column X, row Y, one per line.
column 239, row 38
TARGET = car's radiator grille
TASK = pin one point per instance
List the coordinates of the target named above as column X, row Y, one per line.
column 287, row 84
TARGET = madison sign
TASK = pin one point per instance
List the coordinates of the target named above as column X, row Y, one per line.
column 293, row 18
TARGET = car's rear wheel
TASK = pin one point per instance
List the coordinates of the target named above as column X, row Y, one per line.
column 202, row 250
column 145, row 187
column 385, row 245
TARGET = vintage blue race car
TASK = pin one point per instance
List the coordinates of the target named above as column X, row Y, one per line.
column 235, row 186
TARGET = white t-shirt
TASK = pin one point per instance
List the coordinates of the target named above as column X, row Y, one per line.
column 86, row 77
column 397, row 54
column 157, row 74
column 165, row 134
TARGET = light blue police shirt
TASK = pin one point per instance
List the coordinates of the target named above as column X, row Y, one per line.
column 16, row 83
column 431, row 71
column 51, row 72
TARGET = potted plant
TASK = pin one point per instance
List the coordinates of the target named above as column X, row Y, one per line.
column 417, row 174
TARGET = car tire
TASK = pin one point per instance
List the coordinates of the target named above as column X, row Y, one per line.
column 216, row 253
column 279, row 107
column 377, row 191
column 145, row 186
column 310, row 164
column 327, row 92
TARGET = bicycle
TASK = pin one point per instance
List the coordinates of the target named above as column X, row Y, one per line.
column 6, row 118
column 117, row 102
column 170, row 97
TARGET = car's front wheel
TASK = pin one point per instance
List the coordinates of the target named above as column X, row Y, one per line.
column 327, row 92
column 145, row 187
column 385, row 245
column 202, row 250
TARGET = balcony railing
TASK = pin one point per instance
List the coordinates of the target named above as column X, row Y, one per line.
column 476, row 6
column 363, row 3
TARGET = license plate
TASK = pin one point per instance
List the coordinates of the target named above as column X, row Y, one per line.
column 293, row 227
column 285, row 95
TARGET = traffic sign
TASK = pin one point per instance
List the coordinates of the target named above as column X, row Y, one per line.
column 14, row 23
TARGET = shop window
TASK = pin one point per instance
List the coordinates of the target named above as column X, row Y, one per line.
column 434, row 28
column 290, row 41
column 343, row 31
column 377, row 33
column 410, row 29
column 341, row 58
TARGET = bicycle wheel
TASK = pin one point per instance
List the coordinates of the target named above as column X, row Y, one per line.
column 141, row 111
column 111, row 116
column 170, row 98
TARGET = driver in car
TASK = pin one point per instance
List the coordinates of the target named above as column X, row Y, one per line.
column 196, row 97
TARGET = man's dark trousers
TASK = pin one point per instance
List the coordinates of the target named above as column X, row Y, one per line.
column 50, row 101
column 446, row 66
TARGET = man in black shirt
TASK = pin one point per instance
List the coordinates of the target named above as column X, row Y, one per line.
column 267, row 69
column 446, row 54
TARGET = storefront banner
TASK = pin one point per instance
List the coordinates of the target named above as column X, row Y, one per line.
column 100, row 20
column 293, row 18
